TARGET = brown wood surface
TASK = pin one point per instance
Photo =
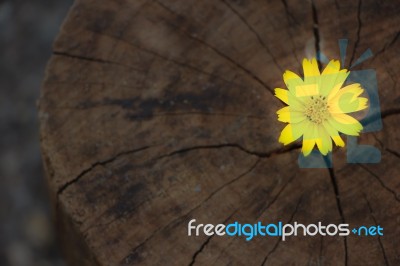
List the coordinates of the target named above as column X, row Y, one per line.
column 156, row 112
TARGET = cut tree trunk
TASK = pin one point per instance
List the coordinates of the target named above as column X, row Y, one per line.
column 154, row 113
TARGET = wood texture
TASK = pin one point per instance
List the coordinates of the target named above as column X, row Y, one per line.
column 156, row 112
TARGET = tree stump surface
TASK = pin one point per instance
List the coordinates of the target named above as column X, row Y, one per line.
column 154, row 113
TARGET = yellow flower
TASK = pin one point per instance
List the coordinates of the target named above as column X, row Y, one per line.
column 318, row 106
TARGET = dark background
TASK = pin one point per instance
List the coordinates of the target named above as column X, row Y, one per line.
column 27, row 30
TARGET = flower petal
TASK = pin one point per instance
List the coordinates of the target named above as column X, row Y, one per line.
column 354, row 89
column 292, row 81
column 312, row 79
column 333, row 83
column 346, row 105
column 324, row 142
column 345, row 124
column 329, row 77
column 282, row 95
column 310, row 68
column 289, row 99
column 308, row 138
column 286, row 114
column 347, row 100
column 333, row 67
column 334, row 134
column 291, row 133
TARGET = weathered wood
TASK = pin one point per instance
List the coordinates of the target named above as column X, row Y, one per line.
column 156, row 112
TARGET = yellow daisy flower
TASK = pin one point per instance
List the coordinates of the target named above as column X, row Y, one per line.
column 318, row 106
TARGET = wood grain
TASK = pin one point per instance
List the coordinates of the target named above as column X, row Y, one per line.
column 156, row 112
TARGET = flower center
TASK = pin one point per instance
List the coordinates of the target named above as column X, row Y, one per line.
column 317, row 109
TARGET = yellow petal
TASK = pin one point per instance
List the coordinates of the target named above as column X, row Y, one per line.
column 282, row 95
column 286, row 114
column 354, row 89
column 308, row 146
column 289, row 99
column 324, row 142
column 307, row 90
column 332, row 77
column 345, row 105
column 292, row 80
column 333, row 67
column 290, row 133
column 338, row 141
column 334, row 134
column 329, row 77
column 308, row 138
column 290, row 76
column 333, row 83
column 310, row 68
column 346, row 100
column 345, row 124
column 363, row 104
column 312, row 78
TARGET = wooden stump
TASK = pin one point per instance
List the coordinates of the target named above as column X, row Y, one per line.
column 154, row 113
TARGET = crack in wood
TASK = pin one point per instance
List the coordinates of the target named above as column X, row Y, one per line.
column 180, row 151
column 358, row 32
column 395, row 153
column 184, row 150
column 395, row 38
column 200, row 250
column 390, row 112
column 275, row 198
column 205, row 114
column 211, row 195
column 208, row 240
column 391, row 191
column 339, row 205
column 224, row 186
column 111, row 221
column 192, row 210
column 221, row 54
column 79, row 107
column 260, row 40
column 280, row 239
column 235, row 145
column 389, row 72
column 378, row 140
column 379, row 237
column 223, row 251
column 167, row 59
column 96, row 60
column 289, row 17
column 316, row 32
column 321, row 248
column 382, row 115
column 336, row 4
column 264, row 209
column 179, row 63
column 289, row 14
column 84, row 172
column 249, row 73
